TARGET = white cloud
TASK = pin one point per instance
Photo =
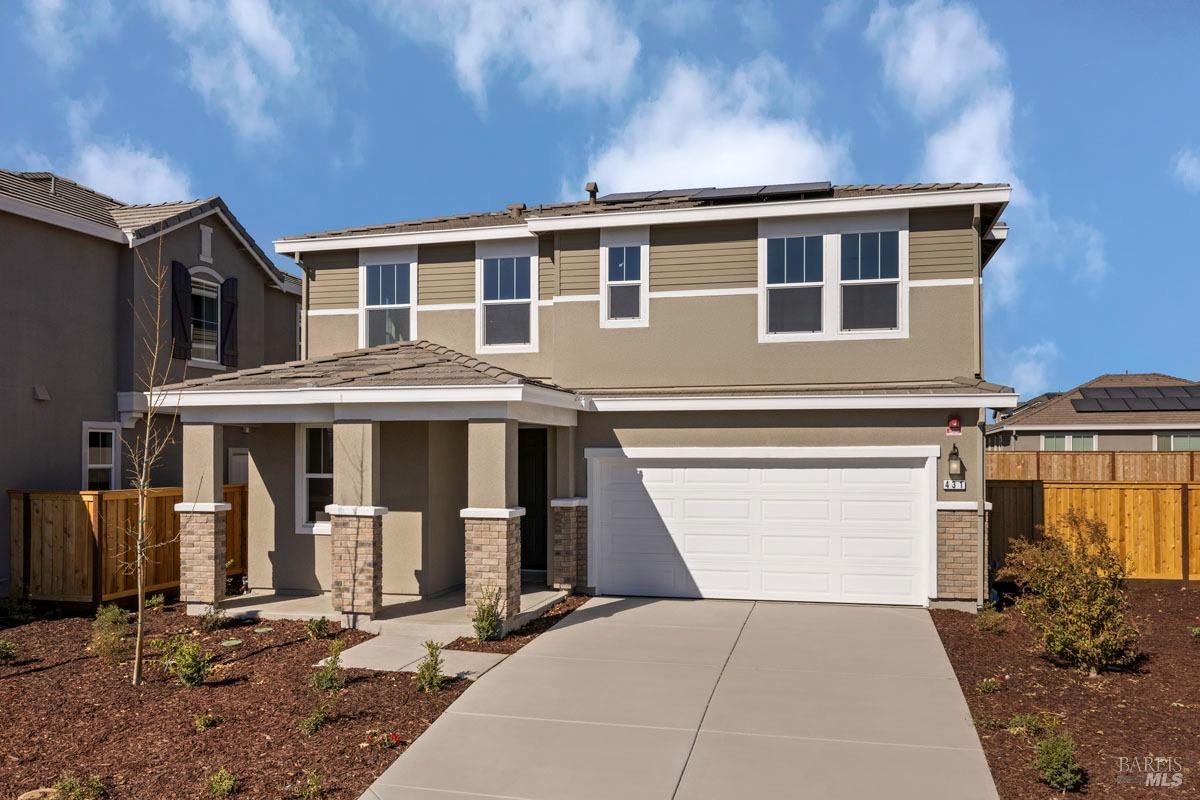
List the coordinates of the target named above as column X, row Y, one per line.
column 934, row 52
column 566, row 49
column 837, row 14
column 59, row 30
column 1028, row 368
column 1186, row 168
column 129, row 173
column 977, row 144
column 757, row 18
column 713, row 127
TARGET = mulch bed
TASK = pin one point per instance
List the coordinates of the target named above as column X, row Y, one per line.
column 66, row 710
column 1150, row 710
column 531, row 630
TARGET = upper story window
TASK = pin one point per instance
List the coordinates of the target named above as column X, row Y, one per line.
column 388, row 303
column 625, row 278
column 795, row 284
column 204, row 329
column 506, row 301
column 1069, row 442
column 624, row 282
column 206, row 319
column 870, row 281
column 1189, row 441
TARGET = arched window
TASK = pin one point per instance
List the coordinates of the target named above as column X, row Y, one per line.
column 206, row 315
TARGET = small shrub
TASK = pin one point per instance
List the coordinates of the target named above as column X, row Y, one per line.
column 318, row 628
column 988, row 686
column 8, row 651
column 320, row 715
column 156, row 601
column 313, row 787
column 222, row 783
column 1073, row 583
column 1035, row 725
column 1055, row 762
column 15, row 609
column 486, row 619
column 185, row 659
column 1195, row 631
column 329, row 677
column 382, row 740
column 989, row 724
column 991, row 620
column 429, row 675
column 68, row 787
column 109, row 629
column 213, row 620
column 203, row 722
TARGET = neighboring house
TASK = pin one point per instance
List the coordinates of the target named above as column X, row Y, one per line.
column 759, row 392
column 69, row 260
column 1128, row 412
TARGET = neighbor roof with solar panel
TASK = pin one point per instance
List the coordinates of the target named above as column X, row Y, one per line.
column 1113, row 400
column 774, row 191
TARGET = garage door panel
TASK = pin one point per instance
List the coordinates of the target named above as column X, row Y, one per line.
column 709, row 544
column 724, row 579
column 796, row 585
column 877, row 511
column 865, row 586
column 785, row 478
column 794, row 545
column 873, row 547
column 716, row 509
column 793, row 510
column 715, row 476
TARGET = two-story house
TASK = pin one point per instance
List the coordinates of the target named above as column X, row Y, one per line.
column 769, row 392
column 74, row 327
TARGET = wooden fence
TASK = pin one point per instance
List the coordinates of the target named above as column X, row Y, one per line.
column 1155, row 526
column 1092, row 467
column 78, row 546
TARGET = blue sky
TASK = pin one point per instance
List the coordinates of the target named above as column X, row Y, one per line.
column 306, row 116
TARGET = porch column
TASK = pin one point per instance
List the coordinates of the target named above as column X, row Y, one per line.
column 492, row 518
column 356, row 523
column 202, row 518
column 568, row 518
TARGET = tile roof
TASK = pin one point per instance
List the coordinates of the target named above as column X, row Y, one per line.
column 135, row 218
column 667, row 199
column 1058, row 410
column 404, row 364
column 963, row 386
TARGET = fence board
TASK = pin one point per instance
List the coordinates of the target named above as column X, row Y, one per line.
column 1155, row 467
column 16, row 538
column 1194, row 531
column 1016, row 513
column 1011, row 466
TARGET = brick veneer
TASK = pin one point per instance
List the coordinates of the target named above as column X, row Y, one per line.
column 958, row 555
column 568, row 564
column 201, row 559
column 493, row 553
column 356, row 564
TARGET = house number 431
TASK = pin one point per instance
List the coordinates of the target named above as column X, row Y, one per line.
column 954, row 486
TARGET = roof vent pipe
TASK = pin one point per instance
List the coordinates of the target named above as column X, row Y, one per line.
column 51, row 184
column 515, row 210
column 592, row 189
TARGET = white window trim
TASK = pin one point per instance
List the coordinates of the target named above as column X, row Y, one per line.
column 206, row 244
column 507, row 249
column 302, row 526
column 626, row 237
column 1172, row 434
column 387, row 255
column 208, row 276
column 110, row 427
column 1070, row 442
column 831, row 229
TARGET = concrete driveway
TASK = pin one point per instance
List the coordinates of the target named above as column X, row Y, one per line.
column 641, row 698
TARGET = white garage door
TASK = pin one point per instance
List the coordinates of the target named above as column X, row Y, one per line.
column 849, row 530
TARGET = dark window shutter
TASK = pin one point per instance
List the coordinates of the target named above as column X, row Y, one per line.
column 181, row 311
column 229, row 333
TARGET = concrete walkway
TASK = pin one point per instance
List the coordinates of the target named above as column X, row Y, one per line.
column 687, row 699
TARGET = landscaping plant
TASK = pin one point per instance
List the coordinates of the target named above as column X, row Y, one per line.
column 486, row 619
column 15, row 609
column 319, row 716
column 203, row 722
column 313, row 787
column 1195, row 632
column 156, row 601
column 68, row 787
column 8, row 651
column 1073, row 593
column 222, row 783
column 186, row 660
column 1031, row 724
column 329, row 677
column 213, row 620
column 318, row 628
column 1055, row 762
column 991, row 620
column 108, row 631
column 429, row 675
column 988, row 686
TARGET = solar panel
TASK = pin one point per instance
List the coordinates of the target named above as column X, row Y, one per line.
column 775, row 189
column 1193, row 391
column 1174, row 391
column 1120, row 391
column 675, row 193
column 1147, row 391
column 1093, row 394
column 1190, row 403
column 728, row 193
column 1168, row 404
column 1141, row 404
column 624, row 197
column 1086, row 405
column 1109, row 404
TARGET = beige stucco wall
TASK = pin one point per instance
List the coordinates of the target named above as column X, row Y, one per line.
column 786, row 429
column 447, row 471
column 492, row 463
column 332, row 334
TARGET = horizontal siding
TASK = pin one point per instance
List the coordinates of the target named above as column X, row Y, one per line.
column 446, row 273
column 332, row 283
column 704, row 256
column 942, row 244
column 547, row 269
column 578, row 262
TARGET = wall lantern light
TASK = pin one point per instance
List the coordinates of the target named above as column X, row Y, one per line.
column 955, row 466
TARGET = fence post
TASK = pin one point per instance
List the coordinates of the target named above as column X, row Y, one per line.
column 1184, row 543
column 97, row 548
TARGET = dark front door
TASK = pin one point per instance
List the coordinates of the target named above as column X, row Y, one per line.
column 531, row 493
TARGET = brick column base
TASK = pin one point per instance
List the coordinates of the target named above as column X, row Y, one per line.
column 356, row 563
column 201, row 556
column 957, row 555
column 493, row 554
column 568, row 561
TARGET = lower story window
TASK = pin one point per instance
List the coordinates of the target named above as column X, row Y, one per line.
column 101, row 460
column 1179, row 441
column 1074, row 442
column 318, row 474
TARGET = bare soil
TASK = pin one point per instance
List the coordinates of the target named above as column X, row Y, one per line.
column 66, row 710
column 523, row 636
column 1152, row 709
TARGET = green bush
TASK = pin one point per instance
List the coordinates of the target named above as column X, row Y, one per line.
column 203, row 722
column 68, row 787
column 222, row 783
column 318, row 628
column 8, row 651
column 156, row 601
column 988, row 686
column 991, row 620
column 429, row 677
column 320, row 715
column 213, row 620
column 1031, row 724
column 109, row 629
column 185, row 659
column 1195, row 632
column 15, row 609
column 1055, row 762
column 486, row 619
column 329, row 677
column 1073, row 593
column 313, row 786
